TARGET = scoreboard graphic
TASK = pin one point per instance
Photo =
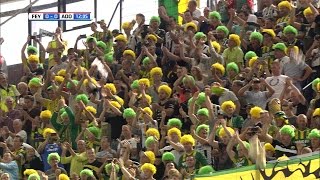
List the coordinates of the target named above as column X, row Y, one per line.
column 67, row 16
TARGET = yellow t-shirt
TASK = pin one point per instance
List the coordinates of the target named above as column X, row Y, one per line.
column 52, row 105
column 53, row 44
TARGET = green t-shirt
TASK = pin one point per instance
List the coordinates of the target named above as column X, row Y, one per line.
column 171, row 7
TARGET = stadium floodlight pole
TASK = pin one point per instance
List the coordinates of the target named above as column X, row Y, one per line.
column 18, row 12
column 114, row 12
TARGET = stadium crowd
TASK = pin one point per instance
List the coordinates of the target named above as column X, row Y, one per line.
column 226, row 88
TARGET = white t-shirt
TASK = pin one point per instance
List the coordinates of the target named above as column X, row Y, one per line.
column 277, row 83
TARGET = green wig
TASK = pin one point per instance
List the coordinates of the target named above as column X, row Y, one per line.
column 174, row 122
column 287, row 129
column 256, row 35
column 102, row 45
column 206, row 170
column 190, row 78
column 108, row 57
column 200, row 35
column 34, row 176
column 87, row 172
column 202, row 126
column 75, row 82
column 135, row 84
column 201, row 98
column 249, row 55
column 129, row 113
column 32, row 48
column 290, row 29
column 82, row 97
column 35, row 82
column 90, row 38
column 233, row 66
column 246, row 145
column 315, row 133
column 108, row 168
column 168, row 156
column 203, row 111
column 224, row 29
column 315, row 82
column 215, row 14
column 95, row 131
column 146, row 61
column 150, row 140
column 52, row 155
column 155, row 18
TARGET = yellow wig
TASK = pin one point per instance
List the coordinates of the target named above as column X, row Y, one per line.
column 62, row 73
column 153, row 132
column 46, row 114
column 152, row 37
column 307, row 12
column 223, row 133
column 156, row 70
column 316, row 112
column 119, row 100
column 235, row 38
column 148, row 111
column 269, row 147
column 58, row 79
column 111, row 87
column 91, row 109
column 150, row 156
column 144, row 81
column 48, row 131
column 225, row 104
column 148, row 97
column 187, row 139
column 220, row 67
column 255, row 112
column 115, row 104
column 285, row 4
column 126, row 25
column 148, row 166
column 33, row 58
column 270, row 32
column 252, row 61
column 129, row 52
column 166, row 89
column 63, row 177
column 190, row 24
column 216, row 46
column 174, row 130
column 28, row 172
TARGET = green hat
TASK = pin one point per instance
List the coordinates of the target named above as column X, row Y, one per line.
column 129, row 113
column 168, row 156
column 87, row 172
column 217, row 90
column 246, row 144
column 82, row 97
column 108, row 168
column 314, row 133
column 135, row 84
column 74, row 82
column 280, row 114
column 52, row 155
column 155, row 18
column 146, row 61
column 215, row 14
column 90, row 38
column 201, row 98
column 102, row 45
column 202, row 126
column 32, row 48
column 174, row 122
column 280, row 46
column 249, row 55
column 206, row 170
column 256, row 35
column 224, row 29
column 233, row 66
column 290, row 29
column 203, row 111
column 287, row 129
column 149, row 141
column 200, row 35
column 108, row 57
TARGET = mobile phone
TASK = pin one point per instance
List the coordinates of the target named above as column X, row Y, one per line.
column 32, row 37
